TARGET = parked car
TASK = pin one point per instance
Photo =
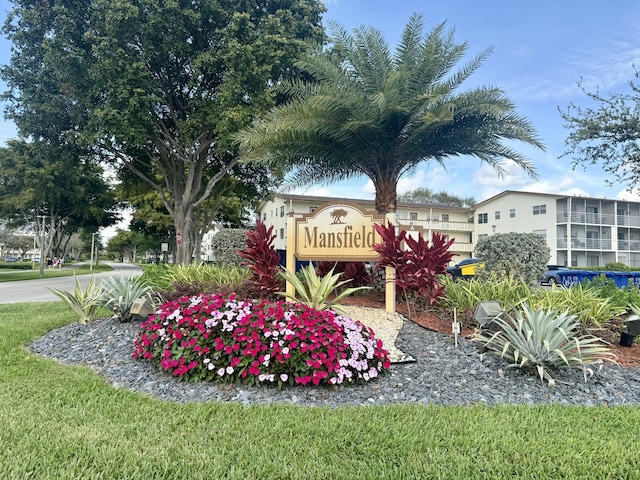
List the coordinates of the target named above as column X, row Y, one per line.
column 466, row 268
column 10, row 259
column 551, row 276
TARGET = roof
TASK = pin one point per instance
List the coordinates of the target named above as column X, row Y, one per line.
column 362, row 201
column 549, row 195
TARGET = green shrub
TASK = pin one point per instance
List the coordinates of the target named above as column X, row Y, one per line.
column 224, row 245
column 544, row 341
column 464, row 295
column 87, row 304
column 156, row 276
column 16, row 265
column 620, row 297
column 521, row 255
column 582, row 300
column 205, row 274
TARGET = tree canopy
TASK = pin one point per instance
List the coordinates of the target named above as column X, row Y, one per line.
column 425, row 195
column 607, row 134
column 156, row 87
column 364, row 111
column 38, row 181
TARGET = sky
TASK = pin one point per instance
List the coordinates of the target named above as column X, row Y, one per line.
column 541, row 50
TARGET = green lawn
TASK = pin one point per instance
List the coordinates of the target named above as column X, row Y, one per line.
column 63, row 422
column 82, row 269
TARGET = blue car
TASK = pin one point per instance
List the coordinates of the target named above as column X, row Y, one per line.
column 551, row 276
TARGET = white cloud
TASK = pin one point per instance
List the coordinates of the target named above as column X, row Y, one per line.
column 629, row 195
column 318, row 192
column 512, row 177
column 523, row 51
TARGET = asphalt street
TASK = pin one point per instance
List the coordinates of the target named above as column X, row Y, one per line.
column 38, row 290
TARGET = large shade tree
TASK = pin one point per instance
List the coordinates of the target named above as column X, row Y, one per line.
column 608, row 133
column 53, row 192
column 366, row 111
column 156, row 87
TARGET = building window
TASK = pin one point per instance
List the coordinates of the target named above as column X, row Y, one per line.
column 445, row 217
column 312, row 209
column 497, row 215
column 282, row 211
column 264, row 217
column 542, row 233
column 483, row 218
column 282, row 233
column 512, row 213
column 413, row 216
column 539, row 209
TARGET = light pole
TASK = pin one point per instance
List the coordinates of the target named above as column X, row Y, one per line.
column 93, row 241
column 42, row 259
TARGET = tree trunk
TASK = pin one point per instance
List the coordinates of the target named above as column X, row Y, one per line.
column 386, row 197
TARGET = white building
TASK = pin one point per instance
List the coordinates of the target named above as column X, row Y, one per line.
column 452, row 222
column 580, row 231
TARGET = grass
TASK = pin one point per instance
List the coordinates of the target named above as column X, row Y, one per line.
column 82, row 269
column 66, row 422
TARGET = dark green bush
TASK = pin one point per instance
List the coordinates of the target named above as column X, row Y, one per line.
column 519, row 255
column 16, row 265
column 224, row 245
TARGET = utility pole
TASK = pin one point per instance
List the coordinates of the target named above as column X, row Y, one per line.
column 42, row 249
column 93, row 242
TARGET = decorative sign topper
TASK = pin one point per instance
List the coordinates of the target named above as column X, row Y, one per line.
column 337, row 232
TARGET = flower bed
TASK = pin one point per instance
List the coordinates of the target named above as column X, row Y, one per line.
column 219, row 338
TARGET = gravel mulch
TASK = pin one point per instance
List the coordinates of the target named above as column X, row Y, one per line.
column 441, row 374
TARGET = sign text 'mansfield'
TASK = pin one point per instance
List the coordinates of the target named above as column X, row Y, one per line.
column 340, row 232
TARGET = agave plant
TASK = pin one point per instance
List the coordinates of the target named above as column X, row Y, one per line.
column 119, row 293
column 543, row 341
column 315, row 291
column 87, row 304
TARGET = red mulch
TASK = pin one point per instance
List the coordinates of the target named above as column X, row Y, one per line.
column 440, row 321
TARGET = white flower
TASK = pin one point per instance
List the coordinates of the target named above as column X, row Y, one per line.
column 284, row 377
column 229, row 370
column 221, row 372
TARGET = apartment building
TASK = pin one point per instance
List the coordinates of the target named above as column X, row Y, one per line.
column 580, row 231
column 452, row 222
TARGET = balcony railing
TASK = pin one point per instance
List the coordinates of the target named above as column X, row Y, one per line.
column 587, row 218
column 631, row 245
column 628, row 221
column 436, row 225
column 599, row 219
column 581, row 243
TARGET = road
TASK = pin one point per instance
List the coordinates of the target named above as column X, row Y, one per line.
column 38, row 290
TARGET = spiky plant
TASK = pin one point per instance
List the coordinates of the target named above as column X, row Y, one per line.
column 119, row 293
column 87, row 303
column 315, row 291
column 543, row 341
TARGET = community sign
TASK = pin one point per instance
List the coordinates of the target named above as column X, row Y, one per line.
column 337, row 232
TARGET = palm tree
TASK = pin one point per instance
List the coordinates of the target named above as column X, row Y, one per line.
column 364, row 111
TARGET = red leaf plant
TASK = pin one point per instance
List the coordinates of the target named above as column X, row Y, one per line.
column 263, row 260
column 355, row 271
column 417, row 266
